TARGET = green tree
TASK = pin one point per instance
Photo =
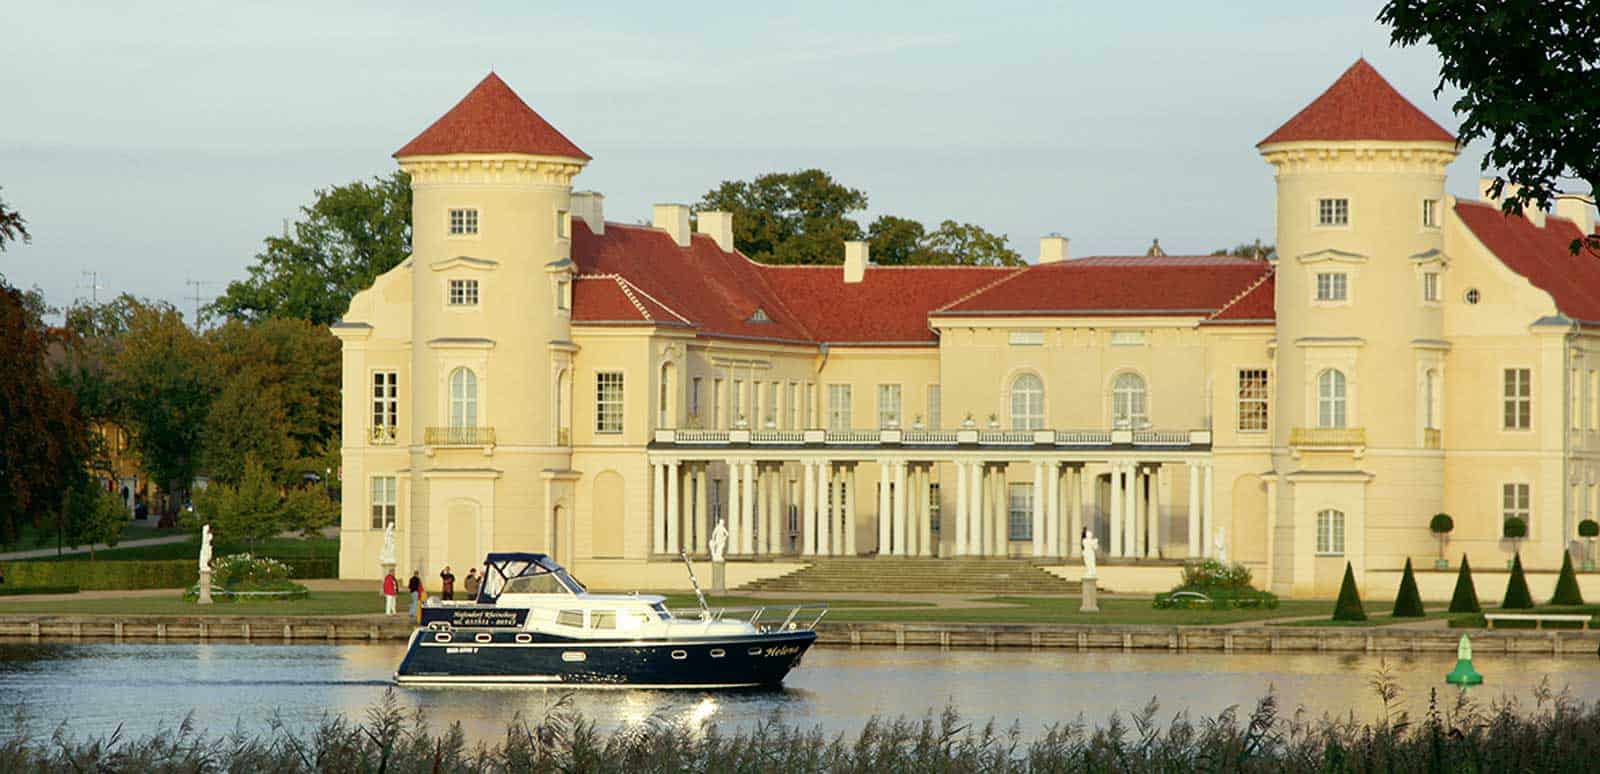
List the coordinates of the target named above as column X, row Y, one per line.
column 164, row 377
column 249, row 511
column 1254, row 250
column 308, row 509
column 93, row 516
column 13, row 227
column 964, row 243
column 1528, row 71
column 1517, row 595
column 1567, row 591
column 346, row 238
column 1348, row 607
column 278, row 400
column 1465, row 598
column 1408, row 602
column 789, row 217
column 896, row 241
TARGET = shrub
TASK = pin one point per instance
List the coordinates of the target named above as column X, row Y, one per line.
column 105, row 576
column 1589, row 528
column 1517, row 595
column 1465, row 599
column 1567, row 591
column 1208, row 575
column 1441, row 524
column 1515, row 528
column 242, row 570
column 1408, row 603
column 1349, row 608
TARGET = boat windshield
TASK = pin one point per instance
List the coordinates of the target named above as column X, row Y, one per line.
column 526, row 576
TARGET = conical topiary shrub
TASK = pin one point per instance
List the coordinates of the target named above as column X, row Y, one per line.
column 1465, row 600
column 1348, row 608
column 1517, row 596
column 1567, row 592
column 1408, row 603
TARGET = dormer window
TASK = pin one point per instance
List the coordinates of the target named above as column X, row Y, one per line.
column 1333, row 212
column 463, row 222
column 760, row 316
column 463, row 292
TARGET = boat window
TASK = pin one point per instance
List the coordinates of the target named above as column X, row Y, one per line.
column 570, row 618
column 534, row 584
column 632, row 619
column 603, row 619
column 661, row 611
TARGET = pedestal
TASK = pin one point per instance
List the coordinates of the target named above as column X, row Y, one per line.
column 1091, row 596
column 719, row 579
column 205, row 588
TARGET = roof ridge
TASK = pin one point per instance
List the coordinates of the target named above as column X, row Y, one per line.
column 1271, row 270
column 982, row 289
column 658, row 302
column 622, row 284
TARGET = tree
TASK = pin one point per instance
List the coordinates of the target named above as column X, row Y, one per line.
column 278, row 401
column 1567, row 591
column 964, row 243
column 1349, row 608
column 1441, row 525
column 13, row 227
column 251, row 510
column 1517, row 596
column 93, row 516
column 1465, row 598
column 1408, row 602
column 896, row 241
column 1254, row 250
column 165, row 379
column 351, row 234
column 1527, row 71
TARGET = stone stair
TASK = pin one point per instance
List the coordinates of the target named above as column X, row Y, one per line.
column 907, row 575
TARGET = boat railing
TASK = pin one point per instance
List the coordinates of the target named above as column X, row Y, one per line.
column 764, row 618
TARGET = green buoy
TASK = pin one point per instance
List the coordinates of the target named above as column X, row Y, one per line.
column 1464, row 674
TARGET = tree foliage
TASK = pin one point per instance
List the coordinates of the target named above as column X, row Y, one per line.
column 277, row 399
column 93, row 516
column 1348, row 607
column 13, row 227
column 1529, row 75
column 1408, row 602
column 257, row 507
column 1465, row 598
column 1254, row 250
column 164, row 377
column 346, row 238
column 803, row 217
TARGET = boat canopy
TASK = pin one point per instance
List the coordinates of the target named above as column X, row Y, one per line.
column 524, row 573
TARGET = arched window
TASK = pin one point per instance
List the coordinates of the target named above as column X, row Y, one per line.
column 1027, row 403
column 1330, row 398
column 463, row 398
column 1330, row 532
column 1127, row 402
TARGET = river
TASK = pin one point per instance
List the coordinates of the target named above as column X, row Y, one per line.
column 94, row 687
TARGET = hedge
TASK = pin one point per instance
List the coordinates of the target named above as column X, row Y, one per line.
column 9, row 590
column 127, row 576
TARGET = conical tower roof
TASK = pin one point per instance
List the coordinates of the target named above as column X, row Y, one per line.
column 1361, row 105
column 491, row 119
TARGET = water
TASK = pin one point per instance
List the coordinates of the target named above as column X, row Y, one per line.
column 94, row 687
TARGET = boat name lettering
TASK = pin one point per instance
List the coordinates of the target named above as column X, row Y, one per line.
column 782, row 650
column 473, row 618
column 453, row 651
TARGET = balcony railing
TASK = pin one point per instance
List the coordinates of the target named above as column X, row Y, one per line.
column 1160, row 438
column 951, row 439
column 1432, row 438
column 458, row 436
column 382, row 435
column 1328, row 437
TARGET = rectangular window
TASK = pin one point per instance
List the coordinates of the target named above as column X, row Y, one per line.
column 736, row 403
column 1330, row 533
column 1430, row 213
column 463, row 222
column 838, row 407
column 933, row 508
column 1019, row 521
column 1333, row 286
column 385, row 494
column 810, row 409
column 1430, row 286
column 756, row 414
column 1518, row 399
column 608, row 402
column 716, row 403
column 464, row 292
column 888, row 405
column 1026, row 338
column 563, row 224
column 694, row 397
column 1575, row 408
column 1252, row 400
column 1333, row 212
column 935, row 420
column 564, row 295
column 1127, row 338
column 1594, row 400
column 1514, row 503
column 770, row 409
column 792, row 407
column 385, row 406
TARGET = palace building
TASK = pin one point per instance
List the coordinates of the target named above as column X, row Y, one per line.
column 535, row 377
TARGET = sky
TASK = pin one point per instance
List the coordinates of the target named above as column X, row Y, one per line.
column 154, row 145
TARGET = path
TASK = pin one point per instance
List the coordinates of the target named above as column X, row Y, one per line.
column 45, row 553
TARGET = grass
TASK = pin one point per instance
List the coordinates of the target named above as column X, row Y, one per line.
column 1373, row 619
column 170, row 603
column 314, row 547
column 1476, row 621
column 1039, row 610
column 681, row 601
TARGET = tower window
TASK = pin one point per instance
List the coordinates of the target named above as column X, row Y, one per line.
column 563, row 224
column 1430, row 286
column 1333, row 212
column 463, row 292
column 1333, row 286
column 1430, row 213
column 463, row 222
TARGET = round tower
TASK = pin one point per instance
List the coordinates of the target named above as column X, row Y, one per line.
column 1359, row 356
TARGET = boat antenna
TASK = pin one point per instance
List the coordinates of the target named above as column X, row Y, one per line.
column 700, row 595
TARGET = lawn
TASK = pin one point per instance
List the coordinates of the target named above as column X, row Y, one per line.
column 1377, row 615
column 280, row 547
column 1470, row 621
column 688, row 601
column 1038, row 610
column 319, row 603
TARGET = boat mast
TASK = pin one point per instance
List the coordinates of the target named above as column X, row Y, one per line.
column 693, row 582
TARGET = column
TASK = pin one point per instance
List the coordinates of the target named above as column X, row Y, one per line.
column 763, row 510
column 1039, row 499
column 808, row 511
column 658, row 508
column 1130, row 514
column 836, row 489
column 1152, row 507
column 775, row 510
column 702, row 506
column 1141, row 508
column 885, row 508
column 1075, row 510
column 925, row 520
column 1052, row 518
column 900, row 502
column 673, row 506
column 1194, row 510
column 960, row 543
column 1205, row 513
column 824, row 510
column 850, row 511
column 975, row 508
column 747, row 520
column 1116, row 509
column 1272, row 532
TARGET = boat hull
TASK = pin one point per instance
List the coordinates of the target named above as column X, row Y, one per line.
column 498, row 658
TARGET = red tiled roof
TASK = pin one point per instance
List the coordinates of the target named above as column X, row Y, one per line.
column 1117, row 285
column 610, row 298
column 1255, row 305
column 491, row 119
column 1361, row 105
column 1541, row 255
column 889, row 305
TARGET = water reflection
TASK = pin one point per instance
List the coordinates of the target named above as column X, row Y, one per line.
column 94, row 687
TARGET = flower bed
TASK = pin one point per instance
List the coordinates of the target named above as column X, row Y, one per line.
column 242, row 577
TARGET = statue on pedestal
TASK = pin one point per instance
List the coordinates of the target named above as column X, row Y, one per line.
column 386, row 554
column 1091, row 544
column 719, row 541
column 1222, row 545
column 205, row 548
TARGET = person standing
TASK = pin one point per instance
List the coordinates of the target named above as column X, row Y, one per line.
column 391, row 589
column 447, row 584
column 415, row 587
column 472, row 584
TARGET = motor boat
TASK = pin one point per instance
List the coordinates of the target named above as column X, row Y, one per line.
column 532, row 623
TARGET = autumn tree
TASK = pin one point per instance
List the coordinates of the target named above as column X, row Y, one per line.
column 277, row 399
column 165, row 378
column 13, row 227
column 44, row 439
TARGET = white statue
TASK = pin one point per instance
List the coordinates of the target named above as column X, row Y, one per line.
column 205, row 548
column 719, row 541
column 1091, row 544
column 1222, row 545
column 386, row 554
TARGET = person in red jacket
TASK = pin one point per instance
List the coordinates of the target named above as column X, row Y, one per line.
column 391, row 588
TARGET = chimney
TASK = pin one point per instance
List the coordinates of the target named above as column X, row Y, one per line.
column 590, row 206
column 1052, row 249
column 674, row 219
column 718, row 226
column 855, row 261
column 1579, row 212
